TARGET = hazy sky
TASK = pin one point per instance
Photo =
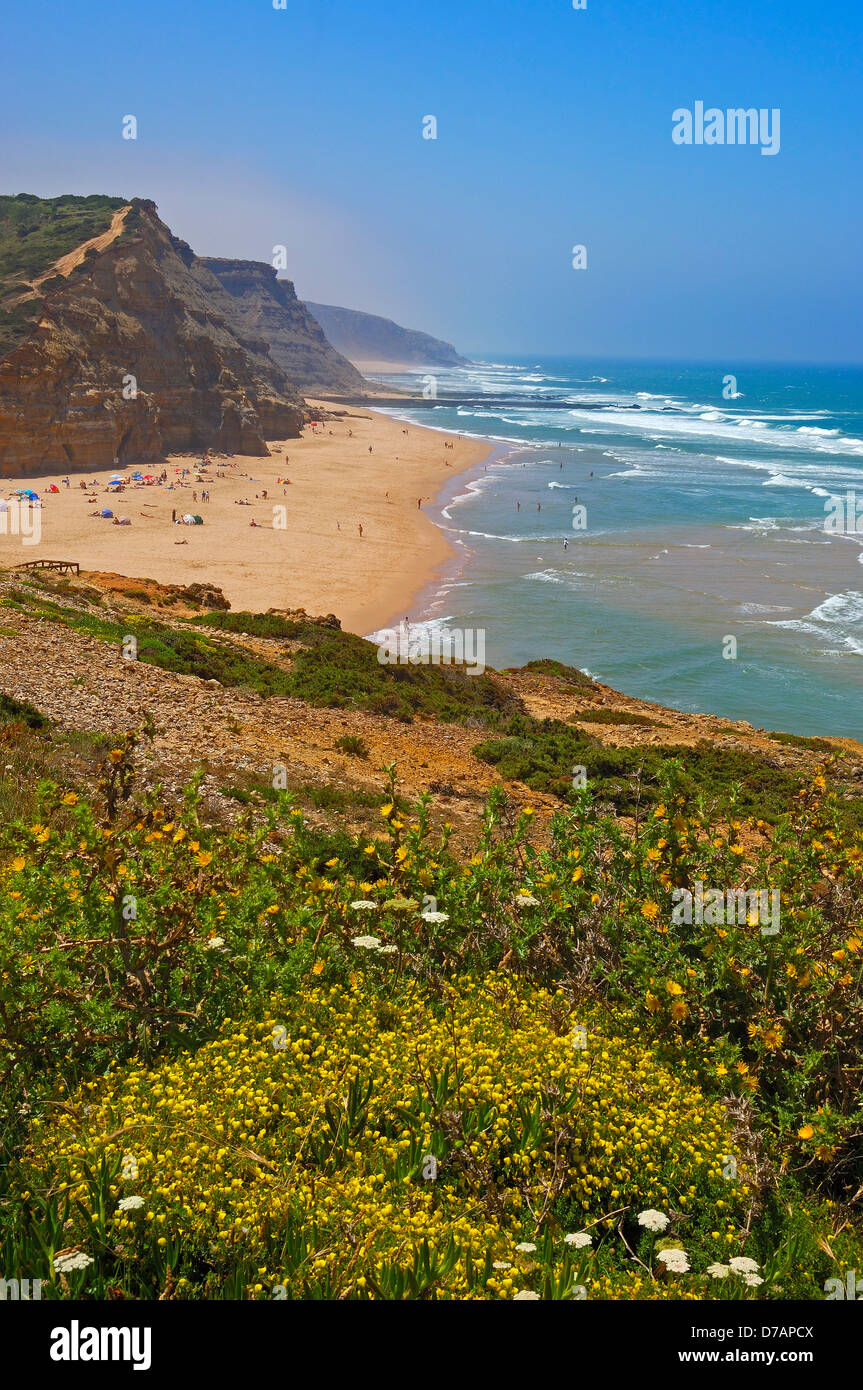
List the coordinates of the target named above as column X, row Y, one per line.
column 303, row 127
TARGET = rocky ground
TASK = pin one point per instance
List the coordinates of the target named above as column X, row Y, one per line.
column 84, row 685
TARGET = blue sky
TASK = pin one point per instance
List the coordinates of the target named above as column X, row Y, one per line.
column 302, row 127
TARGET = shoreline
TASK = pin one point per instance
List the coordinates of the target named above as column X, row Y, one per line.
column 362, row 468
column 452, row 567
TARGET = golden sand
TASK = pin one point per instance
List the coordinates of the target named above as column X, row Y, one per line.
column 358, row 470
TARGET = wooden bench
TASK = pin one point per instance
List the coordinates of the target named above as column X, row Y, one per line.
column 61, row 566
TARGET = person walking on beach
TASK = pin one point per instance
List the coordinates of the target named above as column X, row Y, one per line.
column 361, row 529
column 370, row 448
column 419, row 503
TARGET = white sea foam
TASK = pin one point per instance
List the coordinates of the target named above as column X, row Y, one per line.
column 838, row 619
column 490, row 536
column 709, row 423
column 780, row 480
column 545, row 577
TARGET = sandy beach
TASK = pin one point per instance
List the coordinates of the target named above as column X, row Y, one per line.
column 359, row 470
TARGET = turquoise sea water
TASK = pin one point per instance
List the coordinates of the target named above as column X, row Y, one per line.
column 706, row 502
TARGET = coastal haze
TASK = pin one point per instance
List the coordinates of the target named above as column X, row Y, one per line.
column 431, row 671
column 730, row 267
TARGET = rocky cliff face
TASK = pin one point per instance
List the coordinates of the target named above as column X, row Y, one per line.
column 138, row 353
column 369, row 338
column 268, row 308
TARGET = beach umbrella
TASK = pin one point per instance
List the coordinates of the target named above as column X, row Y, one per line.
column 106, row 511
column 34, row 496
column 198, row 520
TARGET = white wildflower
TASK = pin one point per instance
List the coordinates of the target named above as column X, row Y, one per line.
column 741, row 1264
column 435, row 917
column 653, row 1220
column 131, row 1203
column 753, row 1280
column 363, row 903
column 129, row 1168
column 526, row 1247
column 387, row 950
column 526, row 900
column 526, row 1296
column 674, row 1260
column 215, row 943
column 579, row 1239
column 718, row 1271
column 366, row 943
column 71, row 1260
column 501, row 1264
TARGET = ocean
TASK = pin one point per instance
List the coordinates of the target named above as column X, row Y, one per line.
column 699, row 572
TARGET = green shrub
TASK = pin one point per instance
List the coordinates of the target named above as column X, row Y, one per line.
column 353, row 745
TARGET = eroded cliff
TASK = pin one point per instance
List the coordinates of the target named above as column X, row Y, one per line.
column 136, row 352
column 268, row 308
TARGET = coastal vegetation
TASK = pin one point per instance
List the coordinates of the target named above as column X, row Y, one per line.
column 323, row 666
column 274, row 1059
column 34, row 233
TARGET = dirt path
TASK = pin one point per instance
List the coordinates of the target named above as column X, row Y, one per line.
column 66, row 264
